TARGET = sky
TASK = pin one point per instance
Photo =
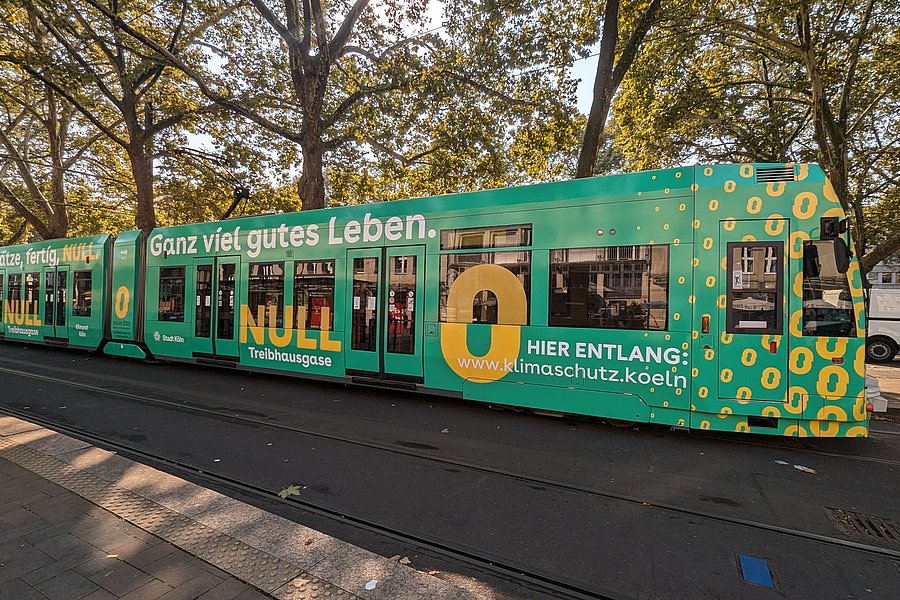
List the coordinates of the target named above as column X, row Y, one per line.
column 585, row 70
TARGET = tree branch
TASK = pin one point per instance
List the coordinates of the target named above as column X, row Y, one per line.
column 270, row 17
column 355, row 97
column 844, row 107
column 17, row 233
column 198, row 79
column 484, row 88
column 634, row 43
column 8, row 195
column 65, row 94
column 885, row 249
column 346, row 29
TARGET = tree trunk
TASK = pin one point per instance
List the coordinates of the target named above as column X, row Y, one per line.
column 142, row 171
column 311, row 187
column 603, row 82
column 56, row 125
column 828, row 133
column 140, row 154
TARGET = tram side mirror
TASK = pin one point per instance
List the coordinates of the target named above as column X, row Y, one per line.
column 811, row 265
column 842, row 255
column 832, row 227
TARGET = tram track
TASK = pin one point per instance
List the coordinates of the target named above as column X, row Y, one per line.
column 422, row 455
column 503, row 568
column 236, row 414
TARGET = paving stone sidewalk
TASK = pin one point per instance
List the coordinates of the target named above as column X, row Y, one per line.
column 78, row 522
column 56, row 545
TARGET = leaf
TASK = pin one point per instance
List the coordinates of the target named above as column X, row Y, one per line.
column 291, row 490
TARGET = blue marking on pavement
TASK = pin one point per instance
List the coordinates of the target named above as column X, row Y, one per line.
column 756, row 570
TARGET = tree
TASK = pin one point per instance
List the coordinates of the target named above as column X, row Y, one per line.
column 35, row 127
column 124, row 92
column 345, row 80
column 610, row 73
column 495, row 107
column 807, row 82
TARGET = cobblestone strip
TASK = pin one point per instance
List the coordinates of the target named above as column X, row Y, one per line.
column 260, row 569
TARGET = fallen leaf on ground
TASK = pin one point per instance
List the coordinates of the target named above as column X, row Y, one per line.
column 445, row 430
column 291, row 490
column 405, row 561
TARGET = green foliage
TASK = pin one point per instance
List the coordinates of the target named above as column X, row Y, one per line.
column 733, row 82
column 492, row 105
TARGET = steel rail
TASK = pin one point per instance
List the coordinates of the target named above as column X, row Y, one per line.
column 499, row 566
column 749, row 523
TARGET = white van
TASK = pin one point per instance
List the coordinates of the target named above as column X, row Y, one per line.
column 883, row 336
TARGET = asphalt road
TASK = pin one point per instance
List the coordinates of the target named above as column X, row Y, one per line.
column 595, row 521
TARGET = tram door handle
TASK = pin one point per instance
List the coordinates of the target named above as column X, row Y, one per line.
column 773, row 347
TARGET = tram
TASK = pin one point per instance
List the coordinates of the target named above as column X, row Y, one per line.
column 716, row 297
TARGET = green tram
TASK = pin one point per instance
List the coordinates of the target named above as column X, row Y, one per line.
column 709, row 297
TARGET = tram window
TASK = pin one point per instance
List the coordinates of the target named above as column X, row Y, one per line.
column 484, row 304
column 1, row 294
column 266, row 291
column 313, row 291
column 755, row 287
column 171, row 294
column 32, row 292
column 827, row 303
column 504, row 236
column 618, row 287
column 203, row 286
column 14, row 291
column 81, row 294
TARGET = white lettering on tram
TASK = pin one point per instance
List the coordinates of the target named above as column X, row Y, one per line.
column 371, row 230
column 646, row 354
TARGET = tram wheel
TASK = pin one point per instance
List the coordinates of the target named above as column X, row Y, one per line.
column 620, row 423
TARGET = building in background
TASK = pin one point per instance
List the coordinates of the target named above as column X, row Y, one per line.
column 886, row 274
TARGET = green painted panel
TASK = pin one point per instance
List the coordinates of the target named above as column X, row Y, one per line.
column 676, row 372
column 124, row 350
column 125, row 264
column 627, row 407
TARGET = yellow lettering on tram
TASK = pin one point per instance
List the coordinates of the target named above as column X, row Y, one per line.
column 325, row 342
column 122, row 301
column 512, row 312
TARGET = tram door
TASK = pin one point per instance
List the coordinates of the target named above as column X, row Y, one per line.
column 55, row 301
column 753, row 348
column 215, row 305
column 385, row 311
column 2, row 297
